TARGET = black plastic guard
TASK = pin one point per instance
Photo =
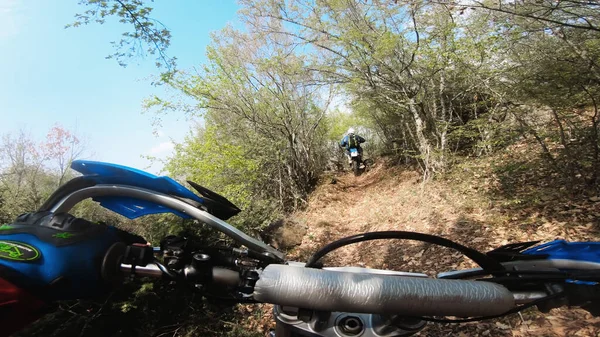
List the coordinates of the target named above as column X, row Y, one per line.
column 215, row 203
column 512, row 252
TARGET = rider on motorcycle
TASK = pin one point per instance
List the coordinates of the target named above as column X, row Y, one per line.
column 352, row 140
column 46, row 257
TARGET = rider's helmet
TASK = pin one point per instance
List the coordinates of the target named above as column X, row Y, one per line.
column 351, row 131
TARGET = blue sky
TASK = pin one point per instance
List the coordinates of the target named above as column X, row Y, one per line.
column 51, row 75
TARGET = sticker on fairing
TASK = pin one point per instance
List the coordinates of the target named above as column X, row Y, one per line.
column 18, row 251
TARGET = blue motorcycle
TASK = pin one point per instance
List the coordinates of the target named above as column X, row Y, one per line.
column 311, row 299
column 356, row 158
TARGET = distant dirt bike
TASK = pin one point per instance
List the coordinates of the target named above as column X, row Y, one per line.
column 356, row 158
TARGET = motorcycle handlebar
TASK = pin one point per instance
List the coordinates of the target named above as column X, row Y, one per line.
column 150, row 270
column 326, row 290
column 335, row 290
column 219, row 275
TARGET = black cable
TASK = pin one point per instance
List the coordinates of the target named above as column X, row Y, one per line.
column 523, row 276
column 513, row 272
column 490, row 265
column 544, row 276
column 509, row 312
column 533, row 278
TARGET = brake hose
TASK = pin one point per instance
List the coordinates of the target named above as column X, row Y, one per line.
column 487, row 263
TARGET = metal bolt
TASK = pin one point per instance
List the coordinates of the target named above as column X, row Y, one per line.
column 351, row 325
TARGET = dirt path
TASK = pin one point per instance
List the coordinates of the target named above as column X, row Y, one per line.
column 391, row 199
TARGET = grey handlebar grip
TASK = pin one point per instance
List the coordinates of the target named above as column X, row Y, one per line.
column 327, row 290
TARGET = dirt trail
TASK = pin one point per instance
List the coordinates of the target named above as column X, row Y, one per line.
column 392, row 199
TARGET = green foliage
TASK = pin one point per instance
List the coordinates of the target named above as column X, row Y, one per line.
column 339, row 122
column 264, row 140
column 208, row 159
column 211, row 159
column 439, row 79
column 408, row 65
column 582, row 16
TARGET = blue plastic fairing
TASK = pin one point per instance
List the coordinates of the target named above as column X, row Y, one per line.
column 106, row 173
column 561, row 249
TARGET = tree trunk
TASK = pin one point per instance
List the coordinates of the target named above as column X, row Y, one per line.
column 423, row 143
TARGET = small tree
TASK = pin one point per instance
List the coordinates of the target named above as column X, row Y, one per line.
column 61, row 148
column 31, row 170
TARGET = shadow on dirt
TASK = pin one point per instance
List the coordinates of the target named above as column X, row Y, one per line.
column 532, row 196
column 432, row 259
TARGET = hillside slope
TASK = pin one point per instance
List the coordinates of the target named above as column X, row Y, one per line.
column 478, row 208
